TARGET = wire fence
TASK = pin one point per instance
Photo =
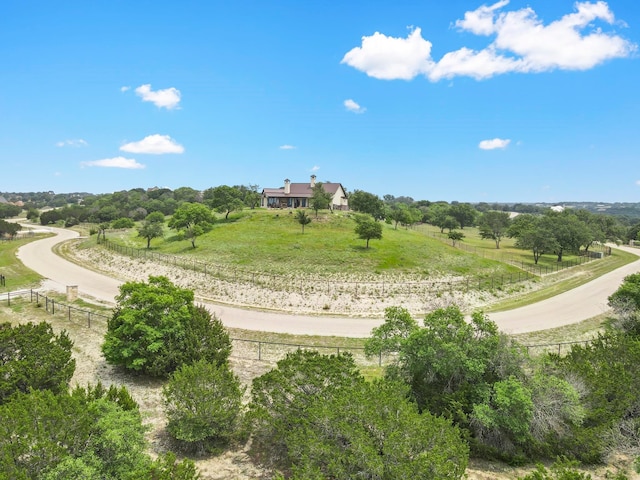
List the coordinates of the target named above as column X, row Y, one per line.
column 247, row 348
column 585, row 256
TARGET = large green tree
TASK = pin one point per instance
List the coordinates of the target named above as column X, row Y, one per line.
column 464, row 213
column 373, row 431
column 32, row 356
column 224, row 199
column 568, row 230
column 85, row 434
column 193, row 219
column 156, row 328
column 365, row 202
column 493, row 225
column 280, row 398
column 450, row 363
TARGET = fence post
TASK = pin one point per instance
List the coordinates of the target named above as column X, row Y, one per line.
column 69, row 313
column 8, row 299
column 380, row 358
column 88, row 319
column 259, row 350
column 53, row 306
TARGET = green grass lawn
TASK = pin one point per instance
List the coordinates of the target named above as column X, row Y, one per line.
column 266, row 240
column 16, row 274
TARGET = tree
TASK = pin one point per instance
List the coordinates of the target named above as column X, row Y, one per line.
column 7, row 210
column 373, row 431
column 320, row 198
column 388, row 337
column 367, row 228
column 569, row 232
column 365, row 202
column 152, row 227
column 33, row 357
column 33, row 214
column 455, row 236
column 464, row 213
column 539, row 241
column 302, row 218
column 156, row 328
column 450, row 362
column 203, row 403
column 44, row 435
column 9, row 228
column 193, row 219
column 494, row 225
column 280, row 398
column 250, row 195
column 224, row 199
column 503, row 419
column 187, row 194
column 123, row 222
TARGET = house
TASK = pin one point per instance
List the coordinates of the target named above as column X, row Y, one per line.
column 294, row 195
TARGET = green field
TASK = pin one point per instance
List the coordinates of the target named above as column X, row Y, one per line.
column 272, row 241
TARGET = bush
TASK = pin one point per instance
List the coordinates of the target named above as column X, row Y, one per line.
column 123, row 222
column 33, row 357
column 203, row 403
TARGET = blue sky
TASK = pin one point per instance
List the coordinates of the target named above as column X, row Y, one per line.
column 507, row 101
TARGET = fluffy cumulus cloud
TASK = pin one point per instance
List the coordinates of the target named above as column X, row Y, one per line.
column 390, row 58
column 116, row 162
column 315, row 168
column 494, row 144
column 353, row 106
column 520, row 42
column 78, row 142
column 168, row 98
column 154, row 145
column 287, row 147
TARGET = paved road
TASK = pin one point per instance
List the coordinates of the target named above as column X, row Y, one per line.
column 579, row 304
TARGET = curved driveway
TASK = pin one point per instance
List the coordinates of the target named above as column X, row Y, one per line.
column 578, row 304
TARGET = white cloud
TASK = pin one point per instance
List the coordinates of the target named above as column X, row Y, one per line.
column 522, row 43
column 389, row 58
column 287, row 147
column 494, row 144
column 168, row 98
column 638, row 182
column 116, row 162
column 315, row 168
column 78, row 142
column 125, row 88
column 353, row 106
column 154, row 145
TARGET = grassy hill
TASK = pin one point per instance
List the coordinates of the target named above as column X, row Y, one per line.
column 272, row 241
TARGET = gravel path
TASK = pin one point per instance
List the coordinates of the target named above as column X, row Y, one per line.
column 576, row 305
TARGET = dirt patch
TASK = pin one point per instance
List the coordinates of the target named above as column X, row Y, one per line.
column 346, row 295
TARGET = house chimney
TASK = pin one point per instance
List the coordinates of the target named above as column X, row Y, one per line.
column 287, row 186
column 313, row 181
